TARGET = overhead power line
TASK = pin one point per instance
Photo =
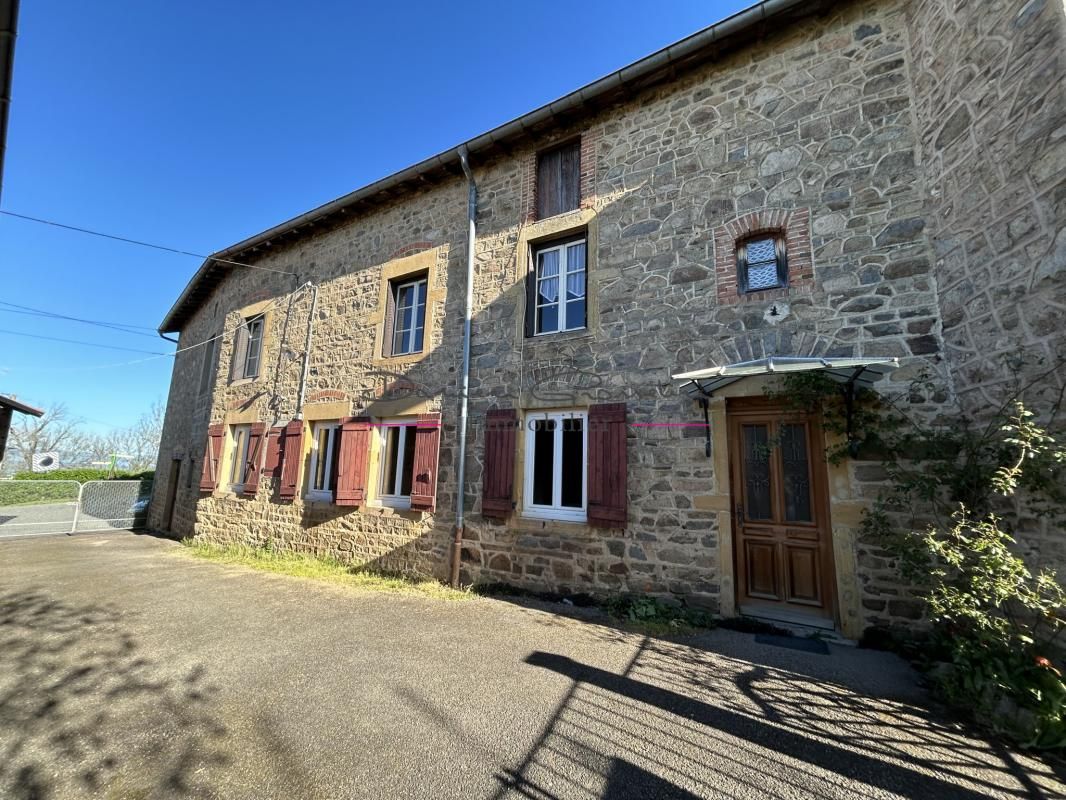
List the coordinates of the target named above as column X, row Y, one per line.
column 142, row 244
column 78, row 341
column 139, row 330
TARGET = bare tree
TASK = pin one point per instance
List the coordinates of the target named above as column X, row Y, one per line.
column 57, row 431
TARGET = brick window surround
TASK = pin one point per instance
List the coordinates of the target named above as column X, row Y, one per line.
column 794, row 225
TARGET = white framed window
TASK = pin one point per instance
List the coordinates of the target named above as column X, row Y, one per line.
column 397, row 460
column 255, row 346
column 323, row 452
column 238, row 456
column 762, row 263
column 409, row 322
column 560, row 287
column 556, row 465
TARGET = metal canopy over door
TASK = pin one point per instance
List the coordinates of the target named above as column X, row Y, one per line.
column 782, row 540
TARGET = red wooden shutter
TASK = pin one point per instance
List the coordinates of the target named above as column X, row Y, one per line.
column 292, row 450
column 353, row 451
column 255, row 458
column 424, row 477
column 497, row 479
column 274, row 439
column 608, row 499
column 209, row 478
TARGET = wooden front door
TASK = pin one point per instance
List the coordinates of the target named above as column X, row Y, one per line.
column 782, row 545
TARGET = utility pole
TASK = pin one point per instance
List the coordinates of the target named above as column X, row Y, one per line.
column 9, row 12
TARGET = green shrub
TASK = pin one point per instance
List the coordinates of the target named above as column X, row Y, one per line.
column 645, row 610
column 83, row 475
column 20, row 493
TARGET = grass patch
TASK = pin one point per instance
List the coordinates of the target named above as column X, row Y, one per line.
column 323, row 569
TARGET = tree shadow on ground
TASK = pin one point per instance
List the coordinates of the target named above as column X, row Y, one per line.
column 82, row 713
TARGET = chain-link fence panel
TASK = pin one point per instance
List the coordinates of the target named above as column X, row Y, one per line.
column 113, row 504
column 32, row 508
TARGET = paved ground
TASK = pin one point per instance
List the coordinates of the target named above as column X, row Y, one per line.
column 33, row 520
column 130, row 671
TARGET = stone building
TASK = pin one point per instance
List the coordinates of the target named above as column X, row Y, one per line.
column 879, row 184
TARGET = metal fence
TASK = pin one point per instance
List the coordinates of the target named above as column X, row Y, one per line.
column 35, row 508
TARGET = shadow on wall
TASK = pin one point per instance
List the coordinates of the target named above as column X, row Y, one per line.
column 72, row 685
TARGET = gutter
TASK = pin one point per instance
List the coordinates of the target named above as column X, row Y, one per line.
column 629, row 76
column 464, row 390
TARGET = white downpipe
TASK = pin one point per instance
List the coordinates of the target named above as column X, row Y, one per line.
column 464, row 387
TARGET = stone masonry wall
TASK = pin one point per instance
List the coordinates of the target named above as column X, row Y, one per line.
column 989, row 82
column 815, row 126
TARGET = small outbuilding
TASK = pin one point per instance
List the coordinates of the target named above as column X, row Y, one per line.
column 9, row 405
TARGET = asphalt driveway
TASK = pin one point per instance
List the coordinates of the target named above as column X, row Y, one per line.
column 130, row 671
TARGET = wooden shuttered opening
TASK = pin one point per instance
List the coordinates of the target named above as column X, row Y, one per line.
column 607, row 500
column 256, row 443
column 559, row 180
column 497, row 478
column 274, row 439
column 212, row 457
column 352, row 461
column 292, row 440
column 424, row 475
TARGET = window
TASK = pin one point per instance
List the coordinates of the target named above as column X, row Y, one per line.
column 405, row 322
column 207, row 369
column 323, row 453
column 761, row 263
column 247, row 349
column 559, row 285
column 556, row 474
column 397, row 458
column 238, row 456
column 559, row 180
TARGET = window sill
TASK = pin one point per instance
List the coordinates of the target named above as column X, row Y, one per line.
column 393, row 503
column 577, row 334
column 537, row 515
column 319, row 497
column 243, row 381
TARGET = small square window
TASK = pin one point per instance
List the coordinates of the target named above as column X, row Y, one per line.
column 321, row 476
column 405, row 324
column 762, row 263
column 558, row 288
column 559, row 180
column 397, row 460
column 556, row 465
column 238, row 456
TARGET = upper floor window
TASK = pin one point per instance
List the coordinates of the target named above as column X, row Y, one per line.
column 398, row 439
column 557, row 296
column 247, row 349
column 238, row 456
column 762, row 263
column 323, row 454
column 559, row 180
column 556, row 468
column 405, row 316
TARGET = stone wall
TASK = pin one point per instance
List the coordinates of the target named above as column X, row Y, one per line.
column 815, row 126
column 989, row 82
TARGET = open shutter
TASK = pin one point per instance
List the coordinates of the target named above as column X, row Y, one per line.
column 390, row 321
column 608, row 500
column 531, row 295
column 424, row 477
column 497, row 479
column 209, row 478
column 274, row 438
column 256, row 443
column 292, row 446
column 353, row 452
column 240, row 352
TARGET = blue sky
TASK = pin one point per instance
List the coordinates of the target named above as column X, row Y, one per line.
column 196, row 124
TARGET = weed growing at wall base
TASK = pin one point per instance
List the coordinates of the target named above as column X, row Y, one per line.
column 326, row 570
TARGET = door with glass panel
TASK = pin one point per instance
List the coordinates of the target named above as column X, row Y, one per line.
column 782, row 542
